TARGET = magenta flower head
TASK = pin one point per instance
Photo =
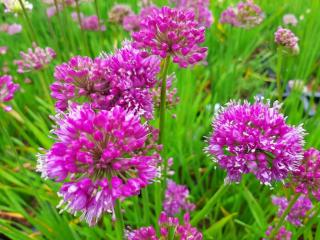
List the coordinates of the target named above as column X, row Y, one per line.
column 118, row 12
column 90, row 23
column 172, row 32
column 176, row 199
column 244, row 15
column 200, row 8
column 35, row 59
column 7, row 88
column 298, row 212
column 306, row 179
column 124, row 79
column 286, row 39
column 283, row 234
column 255, row 138
column 182, row 231
column 100, row 156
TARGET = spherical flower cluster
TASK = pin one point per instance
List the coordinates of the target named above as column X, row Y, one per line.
column 101, row 157
column 132, row 21
column 254, row 138
column 118, row 12
column 124, row 79
column 172, row 32
column 285, row 38
column 298, row 211
column 244, row 15
column 90, row 23
column 306, row 179
column 182, row 231
column 201, row 9
column 290, row 19
column 10, row 29
column 35, row 59
column 14, row 6
column 7, row 88
column 283, row 234
column 176, row 199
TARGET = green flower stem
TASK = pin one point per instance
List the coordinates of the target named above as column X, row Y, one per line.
column 209, row 205
column 283, row 216
column 45, row 89
column 13, row 113
column 278, row 77
column 28, row 22
column 96, row 6
column 83, row 34
column 119, row 220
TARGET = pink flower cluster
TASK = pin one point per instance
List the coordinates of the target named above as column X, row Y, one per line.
column 124, row 79
column 7, row 88
column 132, row 21
column 10, row 29
column 35, row 59
column 285, row 38
column 172, row 32
column 245, row 15
column 176, row 199
column 101, row 157
column 200, row 8
column 283, row 234
column 90, row 23
column 180, row 231
column 298, row 212
column 254, row 138
column 306, row 178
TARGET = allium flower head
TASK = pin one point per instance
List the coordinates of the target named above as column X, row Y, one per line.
column 132, row 21
column 245, row 15
column 14, row 6
column 118, row 12
column 285, row 38
column 176, row 199
column 172, row 32
column 254, row 138
column 7, row 88
column 306, row 179
column 283, row 234
column 290, row 19
column 298, row 211
column 100, row 156
column 124, row 79
column 10, row 29
column 182, row 231
column 35, row 59
column 90, row 23
column 200, row 8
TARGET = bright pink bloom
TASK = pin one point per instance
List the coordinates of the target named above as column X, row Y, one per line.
column 283, row 234
column 285, row 38
column 255, row 138
column 172, row 32
column 7, row 88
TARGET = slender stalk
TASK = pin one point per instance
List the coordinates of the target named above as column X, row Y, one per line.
column 283, row 216
column 119, row 220
column 96, row 6
column 25, row 14
column 13, row 113
column 278, row 78
column 146, row 209
column 84, row 37
column 45, row 88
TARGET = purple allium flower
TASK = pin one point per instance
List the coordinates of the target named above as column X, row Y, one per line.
column 132, row 21
column 176, row 199
column 183, row 231
column 7, row 88
column 201, row 10
column 172, row 32
column 35, row 59
column 285, row 38
column 244, row 15
column 10, row 29
column 254, row 138
column 90, row 23
column 283, row 234
column 124, row 78
column 118, row 12
column 101, row 157
column 306, row 179
column 298, row 211
column 290, row 19
column 3, row 50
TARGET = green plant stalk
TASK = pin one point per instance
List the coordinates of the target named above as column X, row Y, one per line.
column 44, row 86
column 96, row 6
column 119, row 220
column 283, row 216
column 209, row 205
column 84, row 37
column 13, row 113
column 25, row 14
column 146, row 209
column 278, row 77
